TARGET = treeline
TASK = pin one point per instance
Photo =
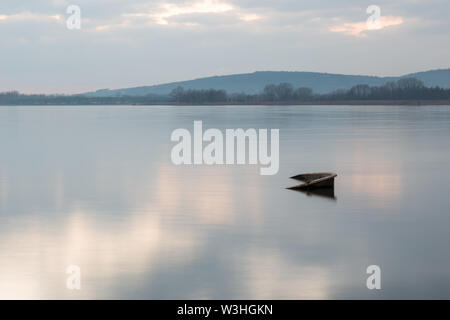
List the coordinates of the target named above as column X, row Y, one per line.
column 16, row 98
column 403, row 89
column 407, row 89
column 198, row 96
column 271, row 93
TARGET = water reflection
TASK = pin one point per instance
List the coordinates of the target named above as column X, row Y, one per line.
column 325, row 193
column 108, row 248
column 3, row 190
column 271, row 275
column 95, row 187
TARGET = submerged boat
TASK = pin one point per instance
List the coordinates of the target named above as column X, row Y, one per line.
column 319, row 180
column 323, row 192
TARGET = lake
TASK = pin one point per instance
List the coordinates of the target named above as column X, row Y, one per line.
column 95, row 187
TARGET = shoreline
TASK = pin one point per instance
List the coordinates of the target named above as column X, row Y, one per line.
column 319, row 103
column 261, row 103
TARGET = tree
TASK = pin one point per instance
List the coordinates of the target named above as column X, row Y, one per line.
column 303, row 94
column 410, row 83
column 285, row 91
column 270, row 92
column 177, row 94
column 360, row 91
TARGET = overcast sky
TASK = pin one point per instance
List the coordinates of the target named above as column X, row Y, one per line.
column 126, row 43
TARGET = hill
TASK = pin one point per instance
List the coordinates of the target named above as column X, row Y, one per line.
column 252, row 83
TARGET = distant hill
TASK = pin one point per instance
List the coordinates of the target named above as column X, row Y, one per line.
column 255, row 82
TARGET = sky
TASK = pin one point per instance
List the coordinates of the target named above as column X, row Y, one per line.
column 128, row 43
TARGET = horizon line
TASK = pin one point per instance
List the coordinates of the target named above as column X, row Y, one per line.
column 226, row 75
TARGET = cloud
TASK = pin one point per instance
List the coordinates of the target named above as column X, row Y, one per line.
column 250, row 17
column 28, row 16
column 190, row 14
column 359, row 29
column 203, row 7
column 124, row 44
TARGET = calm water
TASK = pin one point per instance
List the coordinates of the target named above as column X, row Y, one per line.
column 95, row 187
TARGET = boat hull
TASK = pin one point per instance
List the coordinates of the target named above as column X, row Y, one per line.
column 321, row 180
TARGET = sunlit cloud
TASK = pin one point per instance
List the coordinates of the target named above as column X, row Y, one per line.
column 169, row 10
column 29, row 16
column 359, row 29
column 166, row 14
column 124, row 24
column 202, row 7
column 250, row 17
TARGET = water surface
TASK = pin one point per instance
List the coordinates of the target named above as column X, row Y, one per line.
column 95, row 187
